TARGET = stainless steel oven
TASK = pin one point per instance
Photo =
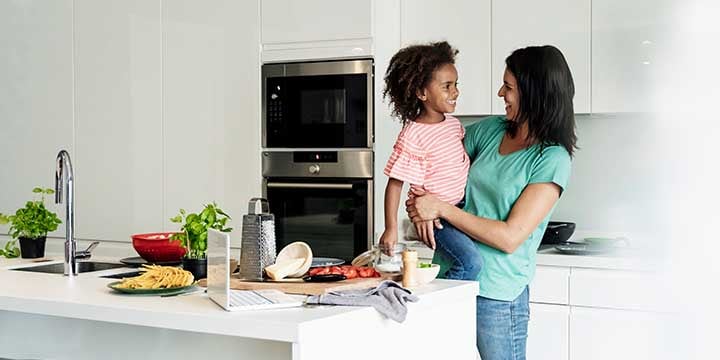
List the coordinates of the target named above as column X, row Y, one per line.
column 324, row 198
column 324, row 104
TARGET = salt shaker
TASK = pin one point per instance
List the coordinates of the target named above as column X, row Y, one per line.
column 410, row 260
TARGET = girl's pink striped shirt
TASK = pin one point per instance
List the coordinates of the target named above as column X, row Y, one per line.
column 432, row 156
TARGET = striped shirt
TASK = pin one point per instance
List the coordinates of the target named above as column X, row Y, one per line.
column 431, row 156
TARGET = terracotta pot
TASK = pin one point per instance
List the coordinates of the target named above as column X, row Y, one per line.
column 32, row 248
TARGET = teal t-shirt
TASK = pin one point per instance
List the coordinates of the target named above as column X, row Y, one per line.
column 494, row 183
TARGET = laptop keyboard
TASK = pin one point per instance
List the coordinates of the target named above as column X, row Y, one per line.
column 242, row 298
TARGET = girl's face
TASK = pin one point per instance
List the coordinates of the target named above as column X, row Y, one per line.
column 441, row 93
column 510, row 93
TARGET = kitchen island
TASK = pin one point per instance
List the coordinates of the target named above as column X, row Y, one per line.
column 52, row 316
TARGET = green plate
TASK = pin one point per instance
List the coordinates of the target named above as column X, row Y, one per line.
column 160, row 291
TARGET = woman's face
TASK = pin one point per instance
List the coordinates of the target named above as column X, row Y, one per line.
column 440, row 95
column 510, row 93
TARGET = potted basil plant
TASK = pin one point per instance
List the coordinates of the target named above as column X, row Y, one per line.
column 194, row 235
column 30, row 224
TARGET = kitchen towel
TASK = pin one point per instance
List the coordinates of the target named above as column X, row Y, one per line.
column 388, row 298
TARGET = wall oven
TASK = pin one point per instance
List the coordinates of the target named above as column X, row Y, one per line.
column 327, row 104
column 324, row 198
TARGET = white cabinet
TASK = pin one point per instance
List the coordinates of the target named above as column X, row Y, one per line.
column 548, row 332
column 562, row 23
column 36, row 97
column 118, row 118
column 550, row 285
column 599, row 334
column 627, row 39
column 465, row 24
column 211, row 106
column 293, row 30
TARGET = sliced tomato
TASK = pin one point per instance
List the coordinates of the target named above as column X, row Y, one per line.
column 351, row 273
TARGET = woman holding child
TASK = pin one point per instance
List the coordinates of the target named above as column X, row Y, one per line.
column 519, row 165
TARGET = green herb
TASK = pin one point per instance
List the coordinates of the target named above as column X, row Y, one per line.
column 34, row 220
column 424, row 265
column 195, row 227
column 10, row 250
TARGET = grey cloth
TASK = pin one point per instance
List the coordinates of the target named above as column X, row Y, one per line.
column 388, row 298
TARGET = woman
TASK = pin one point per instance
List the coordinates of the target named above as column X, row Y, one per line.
column 520, row 166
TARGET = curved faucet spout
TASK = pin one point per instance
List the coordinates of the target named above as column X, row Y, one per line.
column 65, row 190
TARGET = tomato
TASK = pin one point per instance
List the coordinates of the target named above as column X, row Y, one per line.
column 351, row 273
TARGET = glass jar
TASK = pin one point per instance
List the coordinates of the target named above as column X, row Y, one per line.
column 389, row 259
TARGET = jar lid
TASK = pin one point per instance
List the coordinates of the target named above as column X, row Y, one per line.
column 365, row 258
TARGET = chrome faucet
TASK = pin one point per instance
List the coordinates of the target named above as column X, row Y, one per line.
column 65, row 188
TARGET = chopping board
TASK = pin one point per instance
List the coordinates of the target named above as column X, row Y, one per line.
column 305, row 288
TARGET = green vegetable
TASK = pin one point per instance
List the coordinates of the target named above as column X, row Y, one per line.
column 194, row 230
column 34, row 220
column 10, row 250
column 424, row 265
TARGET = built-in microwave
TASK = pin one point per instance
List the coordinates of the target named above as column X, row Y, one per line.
column 324, row 104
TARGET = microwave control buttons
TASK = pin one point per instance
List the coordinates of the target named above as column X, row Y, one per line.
column 314, row 169
column 273, row 96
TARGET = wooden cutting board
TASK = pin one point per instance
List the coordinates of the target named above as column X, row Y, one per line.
column 307, row 288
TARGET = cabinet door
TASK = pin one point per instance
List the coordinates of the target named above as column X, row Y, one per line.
column 118, row 160
column 211, row 106
column 625, row 53
column 466, row 26
column 548, row 332
column 36, row 98
column 289, row 21
column 562, row 23
column 599, row 334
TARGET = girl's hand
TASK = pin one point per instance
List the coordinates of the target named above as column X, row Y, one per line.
column 387, row 242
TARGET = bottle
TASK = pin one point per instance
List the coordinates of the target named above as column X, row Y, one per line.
column 410, row 260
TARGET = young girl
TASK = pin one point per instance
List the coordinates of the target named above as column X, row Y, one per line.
column 421, row 82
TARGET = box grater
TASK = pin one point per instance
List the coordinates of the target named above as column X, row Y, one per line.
column 257, row 248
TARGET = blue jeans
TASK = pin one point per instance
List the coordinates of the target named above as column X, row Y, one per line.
column 502, row 327
column 460, row 251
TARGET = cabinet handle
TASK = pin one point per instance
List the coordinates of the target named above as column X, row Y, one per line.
column 309, row 186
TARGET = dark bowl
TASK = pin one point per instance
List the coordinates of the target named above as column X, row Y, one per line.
column 558, row 232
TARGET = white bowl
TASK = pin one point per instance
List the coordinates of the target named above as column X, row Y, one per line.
column 426, row 275
column 296, row 250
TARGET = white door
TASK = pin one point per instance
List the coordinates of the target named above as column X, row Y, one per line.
column 548, row 332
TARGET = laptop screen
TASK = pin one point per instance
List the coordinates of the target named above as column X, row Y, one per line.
column 218, row 260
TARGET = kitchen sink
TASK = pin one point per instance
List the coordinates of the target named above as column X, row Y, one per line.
column 82, row 266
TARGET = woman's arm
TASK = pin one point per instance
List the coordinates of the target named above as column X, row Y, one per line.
column 533, row 205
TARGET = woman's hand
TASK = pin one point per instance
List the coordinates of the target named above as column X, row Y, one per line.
column 424, row 211
column 425, row 232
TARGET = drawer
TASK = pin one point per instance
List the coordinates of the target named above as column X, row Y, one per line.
column 550, row 285
column 616, row 289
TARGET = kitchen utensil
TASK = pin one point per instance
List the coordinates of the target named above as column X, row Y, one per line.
column 326, row 261
column 137, row 261
column 389, row 258
column 325, row 278
column 557, row 232
column 258, row 240
column 157, row 247
column 296, row 250
column 583, row 249
column 159, row 291
column 424, row 275
column 610, row 242
column 303, row 287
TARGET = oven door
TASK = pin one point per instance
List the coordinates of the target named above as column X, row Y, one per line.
column 333, row 216
column 318, row 105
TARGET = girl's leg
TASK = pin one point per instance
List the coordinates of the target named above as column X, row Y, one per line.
column 460, row 251
column 502, row 327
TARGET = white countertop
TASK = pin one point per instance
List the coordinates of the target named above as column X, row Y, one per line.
column 87, row 297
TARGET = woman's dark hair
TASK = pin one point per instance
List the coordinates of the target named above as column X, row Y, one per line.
column 410, row 70
column 546, row 96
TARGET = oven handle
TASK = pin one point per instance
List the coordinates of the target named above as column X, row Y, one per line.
column 308, row 186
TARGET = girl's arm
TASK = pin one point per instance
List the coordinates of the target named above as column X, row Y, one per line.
column 533, row 205
column 392, row 201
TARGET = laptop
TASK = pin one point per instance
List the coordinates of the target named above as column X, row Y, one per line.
column 218, row 281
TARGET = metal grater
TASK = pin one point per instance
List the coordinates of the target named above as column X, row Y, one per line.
column 257, row 249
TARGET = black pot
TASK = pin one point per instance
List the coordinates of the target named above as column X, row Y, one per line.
column 198, row 267
column 557, row 232
column 32, row 248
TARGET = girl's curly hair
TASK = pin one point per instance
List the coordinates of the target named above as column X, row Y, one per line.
column 410, row 71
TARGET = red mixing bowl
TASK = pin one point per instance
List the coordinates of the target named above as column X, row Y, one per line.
column 157, row 247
